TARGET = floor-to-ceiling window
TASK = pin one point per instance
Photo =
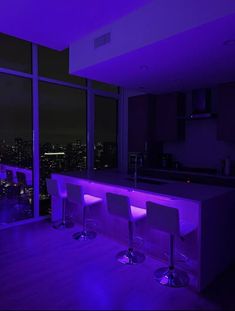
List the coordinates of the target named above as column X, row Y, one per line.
column 15, row 121
column 15, row 54
column 61, row 102
column 55, row 65
column 62, row 132
column 16, row 156
column 62, row 115
column 101, row 86
column 105, row 132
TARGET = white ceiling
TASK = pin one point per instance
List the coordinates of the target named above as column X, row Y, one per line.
column 195, row 56
column 192, row 59
column 56, row 23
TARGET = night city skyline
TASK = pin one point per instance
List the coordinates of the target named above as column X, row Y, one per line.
column 56, row 158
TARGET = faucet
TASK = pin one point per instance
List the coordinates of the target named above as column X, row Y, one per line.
column 135, row 172
column 138, row 163
column 135, row 162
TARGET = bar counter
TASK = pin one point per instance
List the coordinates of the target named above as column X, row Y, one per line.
column 190, row 191
column 209, row 249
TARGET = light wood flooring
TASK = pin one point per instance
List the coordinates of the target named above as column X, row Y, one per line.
column 45, row 269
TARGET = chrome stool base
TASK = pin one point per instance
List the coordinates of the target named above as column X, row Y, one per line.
column 84, row 235
column 171, row 278
column 130, row 257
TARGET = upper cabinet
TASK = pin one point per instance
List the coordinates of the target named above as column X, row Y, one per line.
column 139, row 122
column 226, row 112
column 169, row 117
column 154, row 119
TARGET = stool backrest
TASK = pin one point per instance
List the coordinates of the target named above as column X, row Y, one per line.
column 21, row 178
column 163, row 218
column 9, row 176
column 75, row 194
column 52, row 187
column 118, row 205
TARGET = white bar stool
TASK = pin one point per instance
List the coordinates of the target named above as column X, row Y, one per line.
column 119, row 206
column 75, row 195
column 54, row 191
column 166, row 219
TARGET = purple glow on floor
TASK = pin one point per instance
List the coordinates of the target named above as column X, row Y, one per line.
column 55, row 272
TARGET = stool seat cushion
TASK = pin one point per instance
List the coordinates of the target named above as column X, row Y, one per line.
column 90, row 199
column 137, row 213
column 63, row 194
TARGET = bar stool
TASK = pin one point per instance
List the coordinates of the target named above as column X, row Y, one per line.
column 54, row 191
column 9, row 177
column 166, row 219
column 76, row 196
column 21, row 182
column 119, row 206
column 12, row 190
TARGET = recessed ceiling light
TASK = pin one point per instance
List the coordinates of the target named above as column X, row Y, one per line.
column 229, row 42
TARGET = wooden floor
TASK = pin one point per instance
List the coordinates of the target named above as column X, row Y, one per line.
column 12, row 210
column 42, row 268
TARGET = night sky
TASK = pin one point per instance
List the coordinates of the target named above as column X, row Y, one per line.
column 62, row 112
column 15, row 108
column 62, row 109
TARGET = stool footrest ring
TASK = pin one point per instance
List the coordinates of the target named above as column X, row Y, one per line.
column 130, row 257
column 171, row 277
column 84, row 235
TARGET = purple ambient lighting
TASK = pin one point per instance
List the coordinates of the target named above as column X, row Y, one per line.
column 144, row 67
column 229, row 42
column 117, row 189
column 63, row 22
column 138, row 197
column 14, row 169
column 170, row 58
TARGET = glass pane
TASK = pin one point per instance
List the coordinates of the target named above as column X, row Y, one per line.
column 16, row 191
column 62, row 133
column 15, row 54
column 105, row 87
column 105, row 132
column 54, row 64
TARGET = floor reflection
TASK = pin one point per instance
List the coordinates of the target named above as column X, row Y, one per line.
column 15, row 203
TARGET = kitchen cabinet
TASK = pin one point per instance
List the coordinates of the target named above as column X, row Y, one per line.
column 141, row 128
column 169, row 117
column 140, row 120
column 155, row 119
column 226, row 112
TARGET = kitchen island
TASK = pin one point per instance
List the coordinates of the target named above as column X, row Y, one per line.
column 211, row 209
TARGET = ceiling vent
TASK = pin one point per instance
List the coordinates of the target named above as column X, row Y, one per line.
column 102, row 40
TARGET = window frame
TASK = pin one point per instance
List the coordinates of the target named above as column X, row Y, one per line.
column 90, row 95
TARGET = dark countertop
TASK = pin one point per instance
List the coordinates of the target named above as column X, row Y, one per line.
column 205, row 178
column 190, row 191
column 190, row 172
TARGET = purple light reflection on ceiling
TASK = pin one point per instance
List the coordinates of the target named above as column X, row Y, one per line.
column 193, row 59
column 57, row 23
